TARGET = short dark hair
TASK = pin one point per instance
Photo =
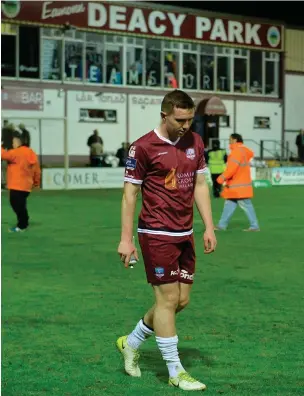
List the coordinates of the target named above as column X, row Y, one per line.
column 176, row 98
column 237, row 137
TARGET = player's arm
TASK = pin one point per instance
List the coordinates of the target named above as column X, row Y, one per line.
column 128, row 206
column 135, row 171
column 203, row 203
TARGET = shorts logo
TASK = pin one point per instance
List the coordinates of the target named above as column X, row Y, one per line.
column 131, row 163
column 190, row 153
column 132, row 151
column 184, row 274
column 159, row 272
column 174, row 273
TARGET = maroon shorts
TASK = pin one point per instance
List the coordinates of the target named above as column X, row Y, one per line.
column 168, row 258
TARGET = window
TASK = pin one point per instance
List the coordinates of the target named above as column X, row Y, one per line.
column 94, row 58
column 73, row 60
column 8, row 50
column 135, row 52
column 51, row 59
column 240, row 70
column 97, row 115
column 153, row 63
column 223, row 69
column 114, row 59
column 271, row 73
column 224, row 121
column 190, row 67
column 256, row 79
column 261, row 123
column 29, row 52
column 171, row 69
column 207, row 68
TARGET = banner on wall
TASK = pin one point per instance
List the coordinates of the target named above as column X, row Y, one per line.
column 15, row 98
column 91, row 178
column 288, row 176
column 146, row 21
column 83, row 178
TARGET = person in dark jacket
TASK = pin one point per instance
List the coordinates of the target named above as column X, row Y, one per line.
column 300, row 145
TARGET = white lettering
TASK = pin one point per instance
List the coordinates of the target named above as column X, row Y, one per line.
column 118, row 18
column 188, row 81
column 176, row 21
column 97, row 15
column 218, row 31
column 58, row 12
column 235, row 30
column 202, row 25
column 152, row 79
column 174, row 273
column 93, row 73
column 252, row 35
column 133, row 77
column 138, row 22
column 152, row 22
column 73, row 70
column 206, row 81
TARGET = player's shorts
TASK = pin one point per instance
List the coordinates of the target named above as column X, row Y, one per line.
column 168, row 259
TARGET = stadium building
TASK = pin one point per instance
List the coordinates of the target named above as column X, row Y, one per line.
column 70, row 67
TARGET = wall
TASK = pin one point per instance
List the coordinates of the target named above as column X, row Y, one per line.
column 245, row 113
column 294, row 47
column 47, row 134
column 113, row 134
column 294, row 108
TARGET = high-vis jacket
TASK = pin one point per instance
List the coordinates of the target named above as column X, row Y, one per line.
column 216, row 161
column 23, row 170
column 237, row 176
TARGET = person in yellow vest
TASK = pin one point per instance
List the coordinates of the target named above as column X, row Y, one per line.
column 216, row 159
column 237, row 183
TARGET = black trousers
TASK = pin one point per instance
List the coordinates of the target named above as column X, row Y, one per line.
column 216, row 187
column 18, row 200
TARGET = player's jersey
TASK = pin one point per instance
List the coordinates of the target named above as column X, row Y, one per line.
column 166, row 171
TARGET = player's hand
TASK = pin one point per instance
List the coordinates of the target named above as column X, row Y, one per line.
column 209, row 241
column 126, row 250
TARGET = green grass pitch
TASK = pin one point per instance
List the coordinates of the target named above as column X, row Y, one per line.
column 66, row 298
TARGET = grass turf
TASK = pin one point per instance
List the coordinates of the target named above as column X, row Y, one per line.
column 66, row 298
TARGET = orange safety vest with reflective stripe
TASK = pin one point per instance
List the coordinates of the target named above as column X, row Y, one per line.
column 237, row 176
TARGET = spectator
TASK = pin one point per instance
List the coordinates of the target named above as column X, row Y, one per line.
column 300, row 145
column 93, row 139
column 216, row 159
column 122, row 154
column 25, row 136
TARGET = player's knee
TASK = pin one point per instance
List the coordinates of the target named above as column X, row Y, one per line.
column 169, row 300
column 183, row 302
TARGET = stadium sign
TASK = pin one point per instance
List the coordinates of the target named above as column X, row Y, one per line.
column 82, row 178
column 146, row 21
column 288, row 176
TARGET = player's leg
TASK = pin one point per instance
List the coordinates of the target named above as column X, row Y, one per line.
column 248, row 208
column 161, row 264
column 229, row 208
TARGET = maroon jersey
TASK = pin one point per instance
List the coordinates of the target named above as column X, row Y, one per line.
column 166, row 171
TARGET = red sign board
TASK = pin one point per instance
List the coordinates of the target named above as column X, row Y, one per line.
column 22, row 99
column 149, row 22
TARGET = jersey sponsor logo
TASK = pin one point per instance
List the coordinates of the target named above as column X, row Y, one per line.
column 170, row 180
column 132, row 151
column 185, row 275
column 159, row 272
column 131, row 163
column 174, row 273
column 190, row 153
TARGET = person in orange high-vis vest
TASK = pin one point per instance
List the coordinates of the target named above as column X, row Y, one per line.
column 237, row 184
column 23, row 173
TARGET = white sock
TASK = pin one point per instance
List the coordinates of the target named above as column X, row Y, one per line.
column 139, row 335
column 168, row 349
